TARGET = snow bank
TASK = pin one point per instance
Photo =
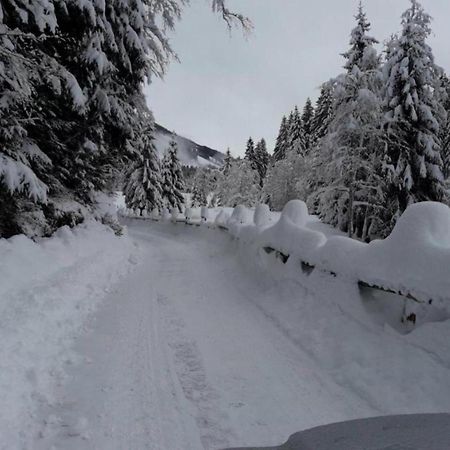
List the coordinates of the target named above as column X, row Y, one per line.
column 241, row 216
column 290, row 235
column 222, row 219
column 47, row 289
column 415, row 258
column 262, row 217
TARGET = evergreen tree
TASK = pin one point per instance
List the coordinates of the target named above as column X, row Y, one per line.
column 307, row 122
column 413, row 156
column 142, row 187
column 323, row 114
column 173, row 183
column 445, row 127
column 349, row 151
column 250, row 150
column 227, row 162
column 241, row 186
column 279, row 152
column 360, row 42
column 204, row 185
column 261, row 160
column 285, row 181
column 296, row 138
column 72, row 106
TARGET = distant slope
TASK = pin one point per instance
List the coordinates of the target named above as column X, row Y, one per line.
column 189, row 152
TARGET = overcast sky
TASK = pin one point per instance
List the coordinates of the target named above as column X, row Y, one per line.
column 228, row 88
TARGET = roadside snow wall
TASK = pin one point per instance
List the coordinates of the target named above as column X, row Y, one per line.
column 413, row 261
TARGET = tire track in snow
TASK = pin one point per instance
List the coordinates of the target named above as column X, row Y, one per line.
column 187, row 362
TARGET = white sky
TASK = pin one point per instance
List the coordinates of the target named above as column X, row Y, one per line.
column 228, row 88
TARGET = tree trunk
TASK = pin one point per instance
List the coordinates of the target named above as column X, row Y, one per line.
column 350, row 210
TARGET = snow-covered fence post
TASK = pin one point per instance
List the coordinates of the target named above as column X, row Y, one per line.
column 204, row 214
column 188, row 216
column 174, row 215
column 155, row 214
column 166, row 215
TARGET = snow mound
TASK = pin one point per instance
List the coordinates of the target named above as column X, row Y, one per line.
column 262, row 216
column 222, row 218
column 47, row 289
column 241, row 216
column 291, row 238
column 297, row 212
column 425, row 224
column 416, row 256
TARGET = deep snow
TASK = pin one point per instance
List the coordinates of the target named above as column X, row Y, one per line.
column 210, row 344
column 47, row 290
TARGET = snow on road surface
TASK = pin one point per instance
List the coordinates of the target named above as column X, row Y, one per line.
column 206, row 346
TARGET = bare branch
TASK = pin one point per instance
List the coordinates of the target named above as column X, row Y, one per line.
column 232, row 18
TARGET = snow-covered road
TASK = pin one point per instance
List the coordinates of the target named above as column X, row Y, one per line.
column 202, row 348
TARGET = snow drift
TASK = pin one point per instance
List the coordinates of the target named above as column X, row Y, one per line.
column 414, row 259
column 47, row 289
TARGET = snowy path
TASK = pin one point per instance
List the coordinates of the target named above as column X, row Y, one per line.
column 195, row 350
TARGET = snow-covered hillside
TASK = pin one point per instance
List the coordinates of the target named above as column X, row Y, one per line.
column 189, row 152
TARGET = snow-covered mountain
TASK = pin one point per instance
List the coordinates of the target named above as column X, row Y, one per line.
column 189, row 152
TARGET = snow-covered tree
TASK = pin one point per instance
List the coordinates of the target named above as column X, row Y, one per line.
column 262, row 158
column 240, row 186
column 445, row 127
column 250, row 150
column 323, row 114
column 307, row 123
column 72, row 105
column 413, row 156
column 348, row 194
column 204, row 186
column 296, row 137
column 142, row 187
column 172, row 178
column 281, row 144
column 227, row 162
column 285, row 180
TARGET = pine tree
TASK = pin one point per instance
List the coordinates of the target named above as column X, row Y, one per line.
column 173, row 183
column 296, row 138
column 227, row 162
column 261, row 160
column 279, row 152
column 250, row 150
column 414, row 148
column 142, row 187
column 349, row 150
column 241, row 186
column 445, row 126
column 203, row 185
column 360, row 42
column 307, row 123
column 72, row 106
column 323, row 114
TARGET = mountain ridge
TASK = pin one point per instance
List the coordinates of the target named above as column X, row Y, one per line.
column 189, row 152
